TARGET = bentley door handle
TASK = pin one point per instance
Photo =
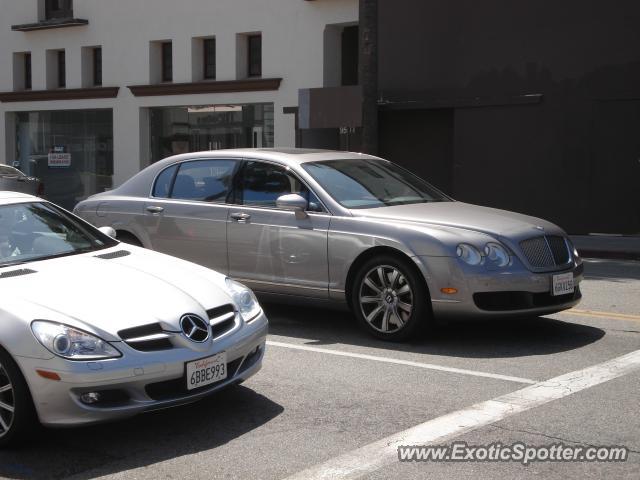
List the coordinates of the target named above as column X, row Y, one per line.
column 154, row 209
column 240, row 217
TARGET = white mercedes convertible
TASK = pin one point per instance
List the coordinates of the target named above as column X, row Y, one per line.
column 92, row 329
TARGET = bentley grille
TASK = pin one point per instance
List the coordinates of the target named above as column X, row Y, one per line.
column 546, row 252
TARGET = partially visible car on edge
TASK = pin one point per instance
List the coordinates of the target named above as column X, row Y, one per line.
column 344, row 227
column 93, row 330
column 14, row 180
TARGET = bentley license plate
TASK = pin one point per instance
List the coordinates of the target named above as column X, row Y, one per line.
column 562, row 284
column 206, row 371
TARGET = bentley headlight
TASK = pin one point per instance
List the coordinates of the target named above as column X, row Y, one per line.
column 244, row 299
column 71, row 343
column 497, row 255
column 469, row 254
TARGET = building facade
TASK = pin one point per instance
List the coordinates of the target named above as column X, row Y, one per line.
column 92, row 91
column 528, row 106
column 532, row 106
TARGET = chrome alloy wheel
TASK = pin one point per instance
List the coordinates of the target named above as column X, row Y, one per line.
column 386, row 299
column 7, row 402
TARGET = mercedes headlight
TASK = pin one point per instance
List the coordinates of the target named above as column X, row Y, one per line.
column 71, row 343
column 497, row 255
column 469, row 254
column 244, row 299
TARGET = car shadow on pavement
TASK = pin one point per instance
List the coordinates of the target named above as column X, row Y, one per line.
column 476, row 338
column 150, row 438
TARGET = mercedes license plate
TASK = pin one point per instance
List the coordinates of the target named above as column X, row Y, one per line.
column 206, row 371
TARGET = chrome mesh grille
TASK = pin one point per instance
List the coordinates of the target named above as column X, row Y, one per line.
column 559, row 250
column 545, row 252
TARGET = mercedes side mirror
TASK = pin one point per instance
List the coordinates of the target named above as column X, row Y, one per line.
column 108, row 231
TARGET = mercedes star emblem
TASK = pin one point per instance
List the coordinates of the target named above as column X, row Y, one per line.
column 194, row 328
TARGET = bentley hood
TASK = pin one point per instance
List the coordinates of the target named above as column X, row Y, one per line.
column 492, row 221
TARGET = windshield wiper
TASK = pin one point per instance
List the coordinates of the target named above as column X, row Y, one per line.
column 55, row 255
column 13, row 264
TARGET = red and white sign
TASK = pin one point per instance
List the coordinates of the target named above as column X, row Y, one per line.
column 59, row 160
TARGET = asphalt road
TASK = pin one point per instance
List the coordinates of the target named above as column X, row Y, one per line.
column 328, row 394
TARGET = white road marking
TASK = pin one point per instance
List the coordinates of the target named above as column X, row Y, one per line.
column 384, row 452
column 428, row 366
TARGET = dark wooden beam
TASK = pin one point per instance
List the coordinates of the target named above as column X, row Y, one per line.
column 59, row 94
column 49, row 24
column 248, row 85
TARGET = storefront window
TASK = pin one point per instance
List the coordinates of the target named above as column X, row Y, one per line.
column 209, row 127
column 70, row 151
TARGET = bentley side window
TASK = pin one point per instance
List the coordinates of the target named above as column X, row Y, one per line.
column 262, row 183
column 163, row 183
column 203, row 180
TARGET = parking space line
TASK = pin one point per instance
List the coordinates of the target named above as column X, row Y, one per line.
column 597, row 314
column 427, row 366
column 384, row 452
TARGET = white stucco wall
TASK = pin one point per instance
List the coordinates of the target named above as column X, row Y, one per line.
column 292, row 49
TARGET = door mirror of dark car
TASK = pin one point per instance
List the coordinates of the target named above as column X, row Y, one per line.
column 109, row 231
column 293, row 202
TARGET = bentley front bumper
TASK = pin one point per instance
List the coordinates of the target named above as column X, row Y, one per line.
column 510, row 291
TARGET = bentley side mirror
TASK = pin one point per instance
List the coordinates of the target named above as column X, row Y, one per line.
column 295, row 203
column 109, row 231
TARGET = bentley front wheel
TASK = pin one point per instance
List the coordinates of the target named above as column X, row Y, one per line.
column 389, row 298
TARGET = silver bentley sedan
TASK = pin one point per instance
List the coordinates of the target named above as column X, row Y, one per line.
column 330, row 226
column 93, row 330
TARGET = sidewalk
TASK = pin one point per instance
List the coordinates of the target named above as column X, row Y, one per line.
column 608, row 246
